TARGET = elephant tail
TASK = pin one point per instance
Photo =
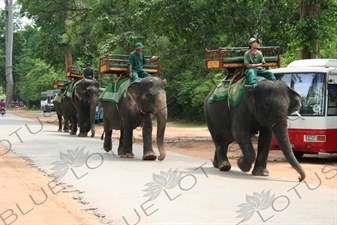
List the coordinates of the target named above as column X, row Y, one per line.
column 102, row 136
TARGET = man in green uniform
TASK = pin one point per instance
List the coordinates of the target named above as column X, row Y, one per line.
column 136, row 63
column 253, row 63
column 88, row 73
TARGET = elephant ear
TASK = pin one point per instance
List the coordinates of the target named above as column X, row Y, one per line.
column 249, row 96
column 133, row 91
column 78, row 90
column 295, row 101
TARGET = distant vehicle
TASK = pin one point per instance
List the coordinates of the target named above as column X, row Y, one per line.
column 46, row 100
column 313, row 128
column 2, row 110
column 99, row 114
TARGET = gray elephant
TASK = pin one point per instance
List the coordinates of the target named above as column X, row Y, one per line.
column 80, row 108
column 263, row 108
column 140, row 100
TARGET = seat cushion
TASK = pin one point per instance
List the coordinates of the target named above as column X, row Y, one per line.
column 237, row 59
column 270, row 58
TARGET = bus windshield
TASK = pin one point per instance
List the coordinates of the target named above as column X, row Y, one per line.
column 311, row 86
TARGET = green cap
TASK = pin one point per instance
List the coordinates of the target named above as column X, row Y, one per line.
column 251, row 40
column 139, row 45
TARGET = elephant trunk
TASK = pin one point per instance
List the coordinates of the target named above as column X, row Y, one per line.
column 161, row 115
column 281, row 134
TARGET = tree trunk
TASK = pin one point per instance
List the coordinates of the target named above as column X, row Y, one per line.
column 310, row 10
column 68, row 58
column 9, row 51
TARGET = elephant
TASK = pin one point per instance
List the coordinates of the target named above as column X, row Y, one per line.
column 140, row 100
column 263, row 108
column 80, row 109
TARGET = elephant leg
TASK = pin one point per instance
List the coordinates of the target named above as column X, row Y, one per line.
column 107, row 145
column 260, row 167
column 66, row 126
column 220, row 159
column 126, row 136
column 73, row 125
column 148, row 153
column 87, row 125
column 121, row 145
column 245, row 162
column 68, row 112
column 59, row 117
column 81, row 122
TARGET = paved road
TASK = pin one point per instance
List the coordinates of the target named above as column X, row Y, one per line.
column 178, row 190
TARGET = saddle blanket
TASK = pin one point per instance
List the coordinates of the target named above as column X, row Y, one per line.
column 234, row 93
column 114, row 92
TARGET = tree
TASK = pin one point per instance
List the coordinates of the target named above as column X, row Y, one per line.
column 317, row 18
column 57, row 22
column 38, row 79
column 9, row 51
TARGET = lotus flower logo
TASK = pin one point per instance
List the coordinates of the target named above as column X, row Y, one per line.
column 69, row 160
column 161, row 182
column 254, row 203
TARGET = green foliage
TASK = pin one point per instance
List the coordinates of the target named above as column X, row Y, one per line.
column 38, row 79
column 177, row 31
column 316, row 26
column 105, row 79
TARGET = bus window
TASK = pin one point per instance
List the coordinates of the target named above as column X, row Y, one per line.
column 332, row 100
column 311, row 86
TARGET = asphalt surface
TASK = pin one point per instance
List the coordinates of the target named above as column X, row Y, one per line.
column 179, row 190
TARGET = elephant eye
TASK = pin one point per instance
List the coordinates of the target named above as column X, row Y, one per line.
column 265, row 107
column 150, row 94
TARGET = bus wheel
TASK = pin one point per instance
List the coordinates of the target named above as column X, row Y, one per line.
column 298, row 155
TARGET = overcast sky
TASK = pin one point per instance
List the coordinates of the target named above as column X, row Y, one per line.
column 24, row 20
column 2, row 3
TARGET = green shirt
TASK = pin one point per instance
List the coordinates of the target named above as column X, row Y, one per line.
column 137, row 61
column 250, row 58
column 88, row 73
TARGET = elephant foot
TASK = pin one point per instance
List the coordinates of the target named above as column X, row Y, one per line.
column 83, row 134
column 107, row 144
column 72, row 133
column 107, row 149
column 225, row 166
column 120, row 151
column 150, row 156
column 66, row 131
column 244, row 167
column 215, row 164
column 260, row 172
column 59, row 130
column 127, row 155
column 92, row 134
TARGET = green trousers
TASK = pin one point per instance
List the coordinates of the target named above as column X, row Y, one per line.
column 138, row 74
column 251, row 75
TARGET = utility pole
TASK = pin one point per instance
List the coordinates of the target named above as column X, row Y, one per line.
column 9, row 51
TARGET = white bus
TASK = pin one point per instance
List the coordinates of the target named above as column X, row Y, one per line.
column 313, row 128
